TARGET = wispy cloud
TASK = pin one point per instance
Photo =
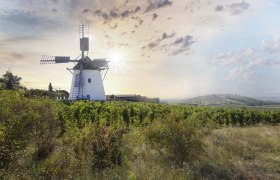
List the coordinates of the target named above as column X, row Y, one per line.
column 13, row 57
column 178, row 46
column 272, row 46
column 158, row 4
column 234, row 57
column 182, row 44
column 219, row 8
column 27, row 24
column 243, row 62
column 234, row 8
column 237, row 8
column 155, row 16
column 156, row 42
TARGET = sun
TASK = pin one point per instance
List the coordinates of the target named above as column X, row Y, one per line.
column 115, row 58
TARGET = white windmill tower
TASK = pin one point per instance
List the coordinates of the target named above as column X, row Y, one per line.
column 88, row 76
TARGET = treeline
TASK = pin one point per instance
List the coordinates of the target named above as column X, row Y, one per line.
column 9, row 81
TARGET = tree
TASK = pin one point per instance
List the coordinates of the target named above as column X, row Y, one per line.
column 50, row 87
column 10, row 81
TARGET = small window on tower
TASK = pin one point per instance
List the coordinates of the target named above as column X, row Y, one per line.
column 89, row 80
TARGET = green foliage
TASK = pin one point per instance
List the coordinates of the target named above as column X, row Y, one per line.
column 102, row 145
column 24, row 121
column 177, row 139
column 42, row 138
column 58, row 94
column 10, row 81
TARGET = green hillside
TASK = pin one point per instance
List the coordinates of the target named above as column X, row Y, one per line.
column 227, row 100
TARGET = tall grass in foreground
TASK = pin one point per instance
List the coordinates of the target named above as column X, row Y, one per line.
column 242, row 153
column 227, row 153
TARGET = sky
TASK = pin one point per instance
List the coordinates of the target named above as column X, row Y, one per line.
column 157, row 48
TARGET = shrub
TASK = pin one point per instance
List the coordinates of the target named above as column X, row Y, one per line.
column 101, row 146
column 179, row 141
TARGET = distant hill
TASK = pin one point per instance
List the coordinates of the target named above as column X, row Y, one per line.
column 226, row 100
column 269, row 98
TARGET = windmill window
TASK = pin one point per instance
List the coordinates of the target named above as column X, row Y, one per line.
column 89, row 80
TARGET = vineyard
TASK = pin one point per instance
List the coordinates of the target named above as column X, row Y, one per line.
column 45, row 138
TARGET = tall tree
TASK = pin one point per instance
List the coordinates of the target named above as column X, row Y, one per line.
column 50, row 87
column 10, row 81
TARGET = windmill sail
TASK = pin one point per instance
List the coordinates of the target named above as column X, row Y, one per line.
column 54, row 59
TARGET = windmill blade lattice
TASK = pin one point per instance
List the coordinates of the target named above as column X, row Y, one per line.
column 54, row 59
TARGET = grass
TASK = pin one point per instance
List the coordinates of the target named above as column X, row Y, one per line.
column 229, row 153
column 250, row 153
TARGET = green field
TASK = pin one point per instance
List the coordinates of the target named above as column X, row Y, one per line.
column 43, row 138
column 267, row 108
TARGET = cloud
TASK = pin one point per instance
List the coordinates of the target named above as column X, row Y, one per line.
column 233, row 57
column 126, row 2
column 242, row 73
column 26, row 18
column 158, row 4
column 237, row 8
column 156, row 42
column 86, row 11
column 126, row 13
column 154, row 16
column 153, row 44
column 102, row 15
column 113, row 14
column 182, row 45
column 272, row 46
column 179, row 46
column 55, row 1
column 184, row 42
column 115, row 26
column 219, row 8
column 19, row 39
column 244, row 62
column 138, row 8
column 27, row 24
column 54, row 10
column 234, row 8
column 179, row 51
column 137, row 18
column 10, row 57
column 167, row 36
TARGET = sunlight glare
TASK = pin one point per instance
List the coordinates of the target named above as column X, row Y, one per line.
column 116, row 58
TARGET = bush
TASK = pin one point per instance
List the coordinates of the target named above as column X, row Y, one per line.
column 101, row 145
column 178, row 141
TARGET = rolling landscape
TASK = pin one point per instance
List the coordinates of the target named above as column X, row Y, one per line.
column 227, row 100
column 44, row 136
column 139, row 90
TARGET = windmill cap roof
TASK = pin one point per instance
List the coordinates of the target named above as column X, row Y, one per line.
column 88, row 64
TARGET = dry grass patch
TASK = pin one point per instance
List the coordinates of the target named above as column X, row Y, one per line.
column 252, row 152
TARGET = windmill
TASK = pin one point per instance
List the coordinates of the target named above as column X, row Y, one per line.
column 88, row 74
